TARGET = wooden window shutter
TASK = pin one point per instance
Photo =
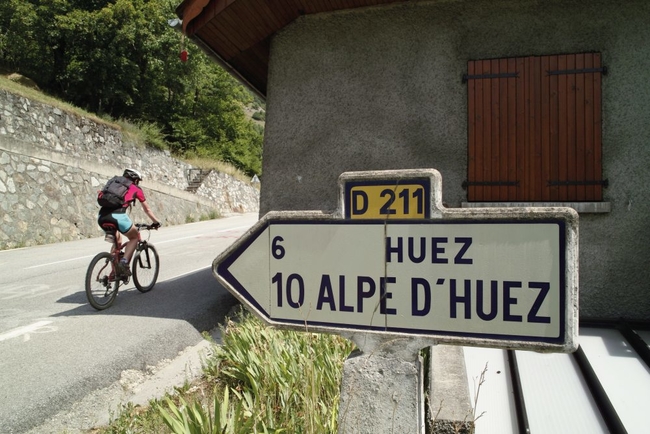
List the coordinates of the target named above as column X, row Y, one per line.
column 534, row 129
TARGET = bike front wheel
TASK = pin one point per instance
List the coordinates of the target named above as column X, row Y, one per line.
column 101, row 286
column 145, row 268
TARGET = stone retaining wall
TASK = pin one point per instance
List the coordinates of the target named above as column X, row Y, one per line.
column 52, row 163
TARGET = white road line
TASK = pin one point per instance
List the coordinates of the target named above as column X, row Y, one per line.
column 58, row 262
column 189, row 272
column 156, row 243
column 233, row 229
column 177, row 239
column 23, row 330
column 199, row 235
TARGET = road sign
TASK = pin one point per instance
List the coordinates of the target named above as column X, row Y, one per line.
column 381, row 199
column 489, row 278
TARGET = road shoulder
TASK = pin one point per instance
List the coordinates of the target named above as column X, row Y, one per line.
column 138, row 387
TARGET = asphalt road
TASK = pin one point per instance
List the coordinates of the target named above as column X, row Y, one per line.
column 55, row 348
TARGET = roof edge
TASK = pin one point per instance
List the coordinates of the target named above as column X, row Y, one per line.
column 227, row 66
column 177, row 25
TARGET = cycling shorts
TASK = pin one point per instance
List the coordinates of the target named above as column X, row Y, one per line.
column 120, row 220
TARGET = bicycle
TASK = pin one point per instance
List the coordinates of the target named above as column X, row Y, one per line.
column 102, row 279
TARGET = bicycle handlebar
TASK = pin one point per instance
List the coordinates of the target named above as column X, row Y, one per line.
column 147, row 227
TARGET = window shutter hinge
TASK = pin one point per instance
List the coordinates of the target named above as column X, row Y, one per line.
column 466, row 77
column 603, row 182
column 602, row 70
column 489, row 184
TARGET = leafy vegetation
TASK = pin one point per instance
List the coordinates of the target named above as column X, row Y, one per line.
column 261, row 380
column 120, row 59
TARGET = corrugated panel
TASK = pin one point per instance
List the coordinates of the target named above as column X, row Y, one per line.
column 495, row 397
column 622, row 373
column 556, row 396
column 645, row 335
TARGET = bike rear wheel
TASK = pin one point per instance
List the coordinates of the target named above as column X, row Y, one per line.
column 101, row 287
column 146, row 266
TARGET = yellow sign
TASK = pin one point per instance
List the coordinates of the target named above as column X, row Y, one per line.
column 387, row 200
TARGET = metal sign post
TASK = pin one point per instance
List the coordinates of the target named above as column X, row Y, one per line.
column 395, row 271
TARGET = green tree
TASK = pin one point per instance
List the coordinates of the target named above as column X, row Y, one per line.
column 29, row 41
column 121, row 58
column 212, row 123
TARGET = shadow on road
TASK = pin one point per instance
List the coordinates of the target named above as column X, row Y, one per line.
column 196, row 298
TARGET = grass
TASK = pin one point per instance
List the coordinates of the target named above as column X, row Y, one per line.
column 37, row 95
column 141, row 135
column 219, row 166
column 212, row 215
column 260, row 380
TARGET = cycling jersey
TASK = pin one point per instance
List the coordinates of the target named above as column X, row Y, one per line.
column 134, row 192
column 118, row 217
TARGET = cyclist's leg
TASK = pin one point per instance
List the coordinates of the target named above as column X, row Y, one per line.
column 110, row 226
column 132, row 234
column 126, row 226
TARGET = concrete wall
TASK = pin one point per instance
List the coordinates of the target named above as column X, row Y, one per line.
column 380, row 88
column 52, row 163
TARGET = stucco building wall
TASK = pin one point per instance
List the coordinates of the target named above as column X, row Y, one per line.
column 380, row 88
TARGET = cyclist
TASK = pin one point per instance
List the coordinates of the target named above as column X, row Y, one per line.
column 118, row 218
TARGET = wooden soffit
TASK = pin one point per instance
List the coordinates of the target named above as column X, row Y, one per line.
column 237, row 33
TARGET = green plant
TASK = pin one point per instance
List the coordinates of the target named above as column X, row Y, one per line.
column 143, row 134
column 153, row 136
column 220, row 166
column 37, row 95
column 116, row 59
column 225, row 416
column 140, row 134
column 259, row 381
column 134, row 419
column 190, row 219
column 211, row 215
column 292, row 377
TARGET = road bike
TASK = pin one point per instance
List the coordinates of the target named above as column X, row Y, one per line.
column 103, row 280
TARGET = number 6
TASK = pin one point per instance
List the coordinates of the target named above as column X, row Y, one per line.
column 276, row 249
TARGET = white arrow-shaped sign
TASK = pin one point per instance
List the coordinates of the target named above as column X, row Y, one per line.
column 485, row 281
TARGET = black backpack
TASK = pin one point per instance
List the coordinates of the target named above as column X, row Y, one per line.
column 112, row 195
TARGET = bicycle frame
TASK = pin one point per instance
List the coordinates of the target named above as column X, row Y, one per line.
column 116, row 250
column 103, row 280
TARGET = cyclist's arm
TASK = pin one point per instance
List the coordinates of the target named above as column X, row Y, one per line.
column 148, row 212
